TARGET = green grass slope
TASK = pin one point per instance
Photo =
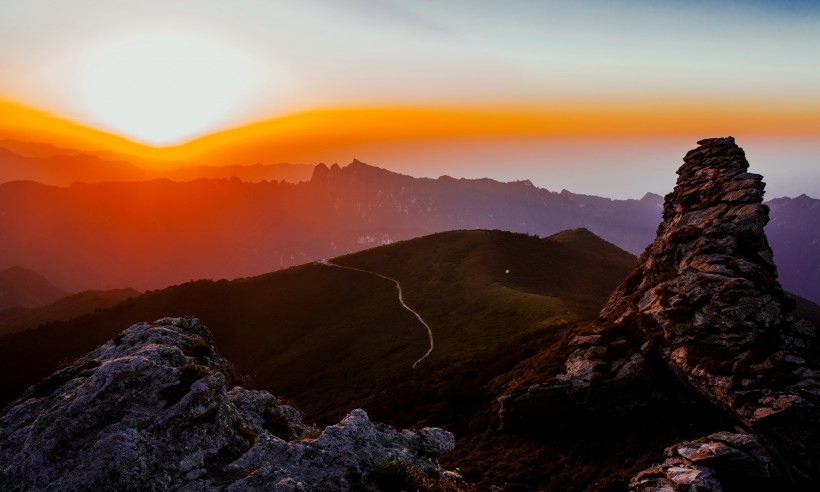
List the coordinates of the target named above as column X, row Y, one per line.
column 331, row 339
column 326, row 337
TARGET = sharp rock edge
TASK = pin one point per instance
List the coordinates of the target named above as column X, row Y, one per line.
column 704, row 305
column 154, row 409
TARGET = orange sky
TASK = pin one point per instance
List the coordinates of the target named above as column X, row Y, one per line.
column 295, row 137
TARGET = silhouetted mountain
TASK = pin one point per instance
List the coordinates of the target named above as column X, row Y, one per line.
column 153, row 234
column 24, row 288
column 15, row 319
column 794, row 233
column 37, row 149
column 584, row 240
column 63, row 170
column 55, row 166
column 292, row 173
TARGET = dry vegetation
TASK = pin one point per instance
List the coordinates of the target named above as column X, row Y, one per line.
column 330, row 340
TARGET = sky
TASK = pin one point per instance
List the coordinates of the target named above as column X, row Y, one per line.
column 164, row 72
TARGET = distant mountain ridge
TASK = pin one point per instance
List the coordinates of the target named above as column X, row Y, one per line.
column 14, row 319
column 56, row 166
column 157, row 233
column 20, row 287
column 794, row 234
column 153, row 234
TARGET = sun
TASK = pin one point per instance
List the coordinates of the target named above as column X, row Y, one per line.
column 163, row 87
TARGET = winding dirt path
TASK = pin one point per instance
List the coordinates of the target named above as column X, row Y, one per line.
column 401, row 300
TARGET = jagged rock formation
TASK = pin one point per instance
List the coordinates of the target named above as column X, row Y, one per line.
column 152, row 410
column 703, row 303
column 698, row 464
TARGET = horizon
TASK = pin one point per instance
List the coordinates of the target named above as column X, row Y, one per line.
column 390, row 245
column 595, row 98
column 531, row 152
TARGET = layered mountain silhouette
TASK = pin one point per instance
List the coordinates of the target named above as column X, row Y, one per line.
column 794, row 233
column 20, row 287
column 151, row 234
column 56, row 166
column 14, row 319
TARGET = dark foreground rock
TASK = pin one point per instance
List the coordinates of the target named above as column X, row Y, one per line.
column 740, row 460
column 156, row 409
column 703, row 310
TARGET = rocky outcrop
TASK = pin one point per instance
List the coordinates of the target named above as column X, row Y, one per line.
column 156, row 409
column 740, row 460
column 704, row 305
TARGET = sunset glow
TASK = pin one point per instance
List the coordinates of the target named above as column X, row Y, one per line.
column 403, row 85
column 163, row 87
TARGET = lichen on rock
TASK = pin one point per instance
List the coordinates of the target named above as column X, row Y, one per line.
column 704, row 304
column 153, row 409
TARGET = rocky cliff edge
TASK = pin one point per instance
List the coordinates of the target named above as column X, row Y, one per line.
column 156, row 409
column 703, row 309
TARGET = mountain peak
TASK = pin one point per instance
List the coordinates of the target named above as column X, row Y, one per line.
column 320, row 172
column 22, row 287
column 713, row 225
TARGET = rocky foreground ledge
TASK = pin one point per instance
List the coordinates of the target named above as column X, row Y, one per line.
column 156, row 409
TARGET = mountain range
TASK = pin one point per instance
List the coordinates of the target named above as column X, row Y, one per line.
column 151, row 234
column 20, row 287
column 19, row 318
column 695, row 373
column 56, row 166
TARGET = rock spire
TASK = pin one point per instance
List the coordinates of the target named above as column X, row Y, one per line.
column 704, row 303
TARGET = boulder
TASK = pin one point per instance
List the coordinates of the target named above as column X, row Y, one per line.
column 157, row 408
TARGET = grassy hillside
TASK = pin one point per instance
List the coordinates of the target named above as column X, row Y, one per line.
column 331, row 339
column 21, row 318
column 327, row 337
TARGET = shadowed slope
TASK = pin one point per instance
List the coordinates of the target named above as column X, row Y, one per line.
column 21, row 319
column 341, row 335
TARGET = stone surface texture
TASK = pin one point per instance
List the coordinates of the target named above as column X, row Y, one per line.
column 704, row 304
column 156, row 409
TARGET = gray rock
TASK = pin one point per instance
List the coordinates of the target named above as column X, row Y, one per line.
column 700, row 465
column 703, row 301
column 152, row 410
